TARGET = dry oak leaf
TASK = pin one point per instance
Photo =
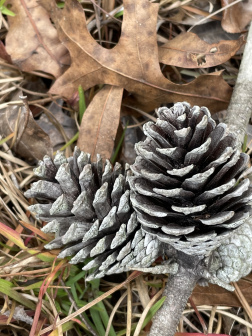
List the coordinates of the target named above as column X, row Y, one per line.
column 31, row 141
column 56, row 121
column 32, row 41
column 132, row 64
column 216, row 295
column 187, row 50
column 237, row 17
column 100, row 122
column 3, row 53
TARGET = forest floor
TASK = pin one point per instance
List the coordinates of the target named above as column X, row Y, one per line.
column 94, row 82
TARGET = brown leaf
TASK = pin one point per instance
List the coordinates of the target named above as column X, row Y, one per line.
column 3, row 53
column 187, row 50
column 32, row 40
column 132, row 64
column 31, row 141
column 216, row 295
column 100, row 122
column 236, row 17
column 53, row 124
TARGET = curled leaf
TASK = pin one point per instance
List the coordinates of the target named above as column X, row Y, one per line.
column 236, row 17
column 31, row 141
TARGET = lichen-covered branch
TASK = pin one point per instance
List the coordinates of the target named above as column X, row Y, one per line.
column 178, row 289
column 240, row 107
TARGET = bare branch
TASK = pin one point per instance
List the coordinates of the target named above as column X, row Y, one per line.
column 240, row 107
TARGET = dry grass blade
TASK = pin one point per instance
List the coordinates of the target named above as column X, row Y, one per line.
column 203, row 323
column 56, row 315
column 142, row 289
column 23, row 273
column 147, row 115
column 213, row 14
column 189, row 323
column 143, row 316
column 243, row 300
column 114, row 311
column 42, row 291
column 219, row 324
column 211, row 320
column 91, row 304
column 222, row 312
column 248, row 329
column 129, row 309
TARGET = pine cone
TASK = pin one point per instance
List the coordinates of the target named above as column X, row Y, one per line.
column 186, row 189
column 90, row 213
column 233, row 259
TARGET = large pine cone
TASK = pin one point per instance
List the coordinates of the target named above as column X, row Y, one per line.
column 90, row 213
column 186, row 188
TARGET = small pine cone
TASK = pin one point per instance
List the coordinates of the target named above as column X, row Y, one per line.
column 89, row 211
column 186, row 189
column 233, row 259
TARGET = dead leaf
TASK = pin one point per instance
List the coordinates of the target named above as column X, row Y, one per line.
column 31, row 141
column 236, row 17
column 215, row 295
column 49, row 126
column 100, row 122
column 187, row 50
column 32, row 40
column 212, row 32
column 132, row 64
column 3, row 53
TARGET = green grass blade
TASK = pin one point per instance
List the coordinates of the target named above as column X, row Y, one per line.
column 6, row 11
column 153, row 311
column 74, row 279
column 6, row 288
column 34, row 286
column 7, row 138
column 105, row 317
column 60, row 4
column 100, row 308
column 97, row 321
column 67, row 326
column 114, row 156
column 119, row 14
column 74, row 138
